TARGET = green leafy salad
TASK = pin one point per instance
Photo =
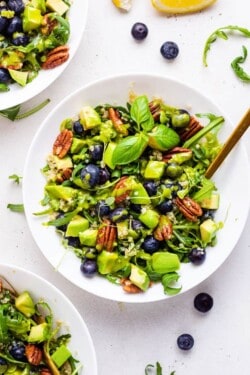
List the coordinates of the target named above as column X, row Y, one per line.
column 33, row 36
column 126, row 189
column 29, row 338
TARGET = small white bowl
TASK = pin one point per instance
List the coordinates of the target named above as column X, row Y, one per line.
column 232, row 180
column 80, row 345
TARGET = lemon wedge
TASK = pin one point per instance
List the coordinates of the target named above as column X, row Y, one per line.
column 123, row 4
column 181, row 6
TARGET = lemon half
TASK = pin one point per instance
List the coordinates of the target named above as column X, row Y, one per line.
column 123, row 4
column 181, row 6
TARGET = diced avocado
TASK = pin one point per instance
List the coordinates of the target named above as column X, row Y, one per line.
column 207, row 230
column 89, row 118
column 150, row 218
column 58, row 6
column 18, row 76
column 38, row 333
column 108, row 154
column 76, row 225
column 88, row 237
column 164, row 262
column 12, row 370
column 61, row 192
column 211, row 203
column 77, row 145
column 154, row 169
column 122, row 229
column 25, row 304
column 109, row 262
column 61, row 355
column 39, row 4
column 56, row 163
column 139, row 195
column 139, row 278
column 32, row 18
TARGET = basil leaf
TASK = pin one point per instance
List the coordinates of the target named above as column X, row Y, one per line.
column 163, row 138
column 129, row 149
column 221, row 33
column 238, row 70
column 167, row 280
column 11, row 113
column 140, row 113
column 16, row 207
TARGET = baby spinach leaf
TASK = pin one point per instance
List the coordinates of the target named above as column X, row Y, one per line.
column 238, row 70
column 129, row 149
column 163, row 138
column 140, row 113
column 221, row 33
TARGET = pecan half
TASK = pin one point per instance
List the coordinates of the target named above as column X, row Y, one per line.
column 129, row 287
column 45, row 371
column 189, row 208
column 177, row 150
column 33, row 354
column 106, row 236
column 64, row 175
column 121, row 190
column 164, row 229
column 117, row 122
column 48, row 24
column 63, row 143
column 56, row 57
column 155, row 109
column 193, row 127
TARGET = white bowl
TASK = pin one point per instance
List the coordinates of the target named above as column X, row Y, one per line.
column 80, row 345
column 18, row 94
column 233, row 209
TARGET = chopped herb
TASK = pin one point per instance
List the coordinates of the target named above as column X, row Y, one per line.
column 238, row 70
column 157, row 367
column 15, row 207
column 15, row 178
column 13, row 113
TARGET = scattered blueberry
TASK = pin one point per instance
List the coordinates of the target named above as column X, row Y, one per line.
column 96, row 152
column 73, row 241
column 102, row 209
column 118, row 214
column 169, row 50
column 88, row 267
column 78, row 128
column 62, row 227
column 150, row 187
column 104, row 176
column 139, row 31
column 90, row 176
column 135, row 207
column 2, row 361
column 20, row 40
column 3, row 23
column 197, row 255
column 137, row 225
column 203, row 302
column 166, row 206
column 14, row 25
column 16, row 5
column 185, row 341
column 150, row 245
column 17, row 351
column 4, row 76
column 207, row 214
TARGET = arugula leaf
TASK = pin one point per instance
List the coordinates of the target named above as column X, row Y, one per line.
column 150, row 366
column 15, row 178
column 12, row 113
column 3, row 325
column 129, row 149
column 238, row 70
column 140, row 113
column 167, row 280
column 4, row 87
column 221, row 33
column 16, row 207
column 205, row 191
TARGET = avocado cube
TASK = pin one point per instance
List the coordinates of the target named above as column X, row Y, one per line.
column 19, row 76
column 108, row 155
column 139, row 195
column 76, row 225
column 88, row 237
column 58, row 6
column 38, row 333
column 139, row 277
column 39, row 4
column 61, row 355
column 154, row 169
column 61, row 192
column 77, row 145
column 164, row 262
column 150, row 218
column 57, row 163
column 108, row 262
column 211, row 203
column 122, row 229
column 207, row 230
column 89, row 118
column 24, row 303
column 32, row 18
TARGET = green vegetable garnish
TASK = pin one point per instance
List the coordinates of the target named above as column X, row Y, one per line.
column 13, row 114
column 16, row 207
column 238, row 70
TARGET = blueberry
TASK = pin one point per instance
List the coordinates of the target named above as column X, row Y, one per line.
column 20, row 40
column 207, row 214
column 137, row 225
column 150, row 245
column 197, row 255
column 166, row 206
column 203, row 302
column 62, row 227
column 73, row 241
column 90, row 175
column 78, row 128
column 104, row 175
column 16, row 5
column 169, row 50
column 139, row 31
column 102, row 209
column 118, row 214
column 150, row 187
column 17, row 351
column 3, row 23
column 185, row 341
column 14, row 25
column 4, row 76
column 2, row 361
column 96, row 152
column 135, row 207
column 88, row 267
